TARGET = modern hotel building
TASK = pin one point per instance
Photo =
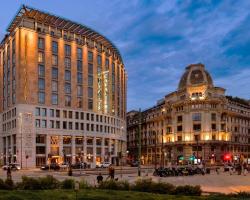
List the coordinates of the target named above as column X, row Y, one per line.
column 196, row 122
column 63, row 93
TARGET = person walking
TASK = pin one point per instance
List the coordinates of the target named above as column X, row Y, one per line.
column 99, row 178
column 9, row 173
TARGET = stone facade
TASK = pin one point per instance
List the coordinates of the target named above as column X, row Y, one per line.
column 195, row 122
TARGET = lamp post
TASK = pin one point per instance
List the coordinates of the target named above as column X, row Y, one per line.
column 139, row 144
column 155, row 148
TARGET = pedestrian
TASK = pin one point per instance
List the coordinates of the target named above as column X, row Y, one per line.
column 9, row 173
column 112, row 175
column 245, row 168
column 99, row 178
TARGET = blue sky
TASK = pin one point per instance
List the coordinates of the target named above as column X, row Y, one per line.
column 157, row 39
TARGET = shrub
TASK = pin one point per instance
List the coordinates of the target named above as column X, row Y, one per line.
column 49, row 182
column 29, row 183
column 243, row 195
column 188, row 190
column 162, row 188
column 109, row 184
column 9, row 184
column 123, row 185
column 68, row 184
column 84, row 184
column 143, row 185
column 2, row 185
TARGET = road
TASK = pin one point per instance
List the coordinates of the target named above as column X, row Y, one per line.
column 218, row 183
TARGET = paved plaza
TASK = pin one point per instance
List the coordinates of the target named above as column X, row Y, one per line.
column 218, row 183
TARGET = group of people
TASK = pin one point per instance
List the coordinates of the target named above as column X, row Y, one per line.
column 111, row 176
column 239, row 168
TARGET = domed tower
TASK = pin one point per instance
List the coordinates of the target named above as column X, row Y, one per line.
column 195, row 81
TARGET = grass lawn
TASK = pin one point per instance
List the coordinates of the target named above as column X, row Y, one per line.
column 92, row 195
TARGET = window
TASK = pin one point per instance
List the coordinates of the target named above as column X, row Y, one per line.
column 54, row 73
column 67, row 88
column 54, row 99
column 54, row 47
column 90, row 80
column 54, row 86
column 43, row 123
column 79, row 78
column 90, row 68
column 79, row 90
column 65, row 114
column 179, row 128
column 67, row 63
column 79, row 102
column 99, row 60
column 51, row 113
column 90, row 92
column 213, row 116
column 79, row 65
column 107, row 63
column 79, row 53
column 90, row 56
column 67, row 50
column 41, row 43
column 197, row 127
column 64, row 125
column 37, row 123
column 196, row 116
column 70, row 125
column 41, row 84
column 41, row 97
column 213, row 126
column 51, row 124
column 43, row 112
column 70, row 114
column 76, row 115
column 67, row 100
column 54, row 60
column 37, row 112
column 90, row 104
column 67, row 75
column 58, row 113
column 40, row 57
column 41, row 70
column 179, row 118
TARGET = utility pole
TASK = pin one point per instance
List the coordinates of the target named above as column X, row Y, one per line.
column 139, row 144
column 155, row 148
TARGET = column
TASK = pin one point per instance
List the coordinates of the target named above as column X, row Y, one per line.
column 103, row 150
column 84, row 149
column 110, row 150
column 94, row 152
column 47, row 146
column 60, row 144
column 73, row 149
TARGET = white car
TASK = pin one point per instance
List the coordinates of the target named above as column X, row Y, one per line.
column 103, row 165
column 13, row 166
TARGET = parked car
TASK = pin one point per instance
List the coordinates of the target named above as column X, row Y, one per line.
column 53, row 166
column 13, row 166
column 79, row 165
column 134, row 164
column 103, row 165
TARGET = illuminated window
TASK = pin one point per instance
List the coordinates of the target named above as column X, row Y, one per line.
column 54, row 60
column 67, row 63
column 40, row 57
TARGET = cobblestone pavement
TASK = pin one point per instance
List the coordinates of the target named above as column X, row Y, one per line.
column 223, row 182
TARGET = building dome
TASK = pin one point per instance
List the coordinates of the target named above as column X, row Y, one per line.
column 195, row 75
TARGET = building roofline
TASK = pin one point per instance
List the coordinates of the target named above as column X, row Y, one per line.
column 103, row 39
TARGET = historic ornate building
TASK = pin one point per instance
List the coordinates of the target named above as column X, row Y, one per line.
column 63, row 92
column 195, row 122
